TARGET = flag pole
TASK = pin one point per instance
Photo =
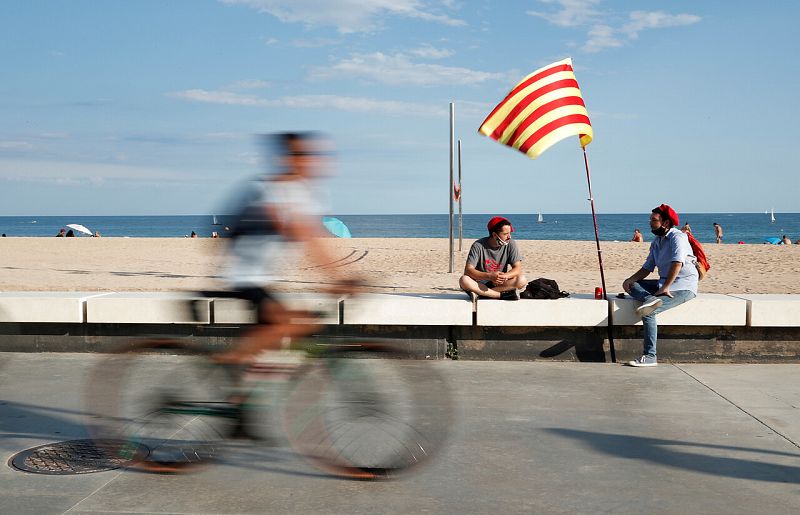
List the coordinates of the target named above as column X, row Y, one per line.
column 600, row 260
column 450, row 184
column 460, row 215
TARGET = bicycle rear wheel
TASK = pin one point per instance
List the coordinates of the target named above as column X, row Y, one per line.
column 367, row 411
column 163, row 397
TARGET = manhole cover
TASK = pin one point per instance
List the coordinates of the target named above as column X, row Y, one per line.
column 78, row 457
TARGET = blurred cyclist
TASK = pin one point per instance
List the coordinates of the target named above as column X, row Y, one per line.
column 278, row 223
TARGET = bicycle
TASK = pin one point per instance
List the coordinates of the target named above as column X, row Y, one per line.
column 355, row 408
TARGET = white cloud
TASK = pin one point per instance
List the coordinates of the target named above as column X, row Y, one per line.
column 400, row 70
column 220, row 97
column 70, row 172
column 430, row 52
column 600, row 38
column 314, row 43
column 642, row 20
column 342, row 103
column 572, row 13
column 347, row 16
column 15, row 145
column 602, row 32
column 250, row 84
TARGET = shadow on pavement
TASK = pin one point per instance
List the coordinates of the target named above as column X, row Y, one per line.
column 665, row 452
column 27, row 420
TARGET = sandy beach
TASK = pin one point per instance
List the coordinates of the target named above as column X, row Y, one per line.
column 388, row 264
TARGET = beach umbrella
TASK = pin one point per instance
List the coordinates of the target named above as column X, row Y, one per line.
column 336, row 227
column 80, row 228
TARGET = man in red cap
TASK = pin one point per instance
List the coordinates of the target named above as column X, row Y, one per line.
column 494, row 264
column 671, row 254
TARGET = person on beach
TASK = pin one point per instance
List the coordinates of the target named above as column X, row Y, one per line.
column 637, row 235
column 278, row 222
column 718, row 232
column 70, row 234
column 61, row 233
column 494, row 264
column 670, row 253
column 786, row 240
column 686, row 228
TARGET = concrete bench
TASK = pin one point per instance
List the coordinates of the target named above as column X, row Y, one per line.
column 772, row 310
column 707, row 309
column 408, row 309
column 577, row 310
column 147, row 308
column 236, row 311
column 25, row 306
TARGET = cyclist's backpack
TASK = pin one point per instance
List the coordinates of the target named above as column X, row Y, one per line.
column 542, row 288
column 701, row 264
column 249, row 218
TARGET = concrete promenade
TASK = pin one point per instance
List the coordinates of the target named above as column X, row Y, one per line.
column 530, row 437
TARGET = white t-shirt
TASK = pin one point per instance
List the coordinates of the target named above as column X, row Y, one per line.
column 259, row 260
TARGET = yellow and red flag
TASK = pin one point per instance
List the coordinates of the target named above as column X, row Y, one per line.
column 544, row 108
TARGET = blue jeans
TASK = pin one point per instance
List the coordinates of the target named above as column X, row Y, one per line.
column 644, row 290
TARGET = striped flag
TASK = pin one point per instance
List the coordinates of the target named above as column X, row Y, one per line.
column 544, row 108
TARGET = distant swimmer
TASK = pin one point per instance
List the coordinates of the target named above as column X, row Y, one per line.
column 637, row 236
column 718, row 232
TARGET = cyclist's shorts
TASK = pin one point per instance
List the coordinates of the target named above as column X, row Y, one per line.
column 258, row 297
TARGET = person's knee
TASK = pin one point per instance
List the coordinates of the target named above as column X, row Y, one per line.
column 465, row 282
column 522, row 282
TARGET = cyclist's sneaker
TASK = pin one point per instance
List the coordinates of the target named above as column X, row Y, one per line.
column 649, row 305
column 645, row 361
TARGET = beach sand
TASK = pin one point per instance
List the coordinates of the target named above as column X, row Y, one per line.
column 417, row 265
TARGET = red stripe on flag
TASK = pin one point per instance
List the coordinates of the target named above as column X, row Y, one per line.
column 541, row 111
column 550, row 127
column 528, row 82
column 525, row 102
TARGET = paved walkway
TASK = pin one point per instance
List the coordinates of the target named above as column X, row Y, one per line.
column 531, row 437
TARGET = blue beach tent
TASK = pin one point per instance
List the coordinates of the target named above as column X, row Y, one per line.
column 773, row 240
column 336, row 227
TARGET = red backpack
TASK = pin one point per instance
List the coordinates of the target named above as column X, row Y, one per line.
column 702, row 262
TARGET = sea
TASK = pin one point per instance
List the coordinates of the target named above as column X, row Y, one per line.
column 738, row 227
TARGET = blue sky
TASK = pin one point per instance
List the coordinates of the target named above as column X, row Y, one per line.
column 150, row 107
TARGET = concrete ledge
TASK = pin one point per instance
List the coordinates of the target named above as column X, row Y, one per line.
column 59, row 307
column 236, row 311
column 147, row 308
column 577, row 310
column 408, row 309
column 707, row 309
column 772, row 310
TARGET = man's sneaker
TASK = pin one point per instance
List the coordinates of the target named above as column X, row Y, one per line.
column 649, row 306
column 509, row 295
column 472, row 296
column 644, row 361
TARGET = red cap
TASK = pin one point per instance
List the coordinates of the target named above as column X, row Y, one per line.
column 496, row 220
column 668, row 213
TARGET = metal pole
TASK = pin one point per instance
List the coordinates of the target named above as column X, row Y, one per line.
column 460, row 193
column 600, row 259
column 449, row 185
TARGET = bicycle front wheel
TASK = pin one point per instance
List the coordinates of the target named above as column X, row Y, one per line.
column 367, row 411
column 164, row 400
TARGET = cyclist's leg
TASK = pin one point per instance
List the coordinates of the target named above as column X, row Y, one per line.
column 275, row 322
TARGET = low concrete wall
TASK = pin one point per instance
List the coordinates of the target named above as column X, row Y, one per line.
column 710, row 328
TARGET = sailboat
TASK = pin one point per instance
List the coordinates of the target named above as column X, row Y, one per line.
column 540, row 219
column 772, row 215
column 214, row 220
